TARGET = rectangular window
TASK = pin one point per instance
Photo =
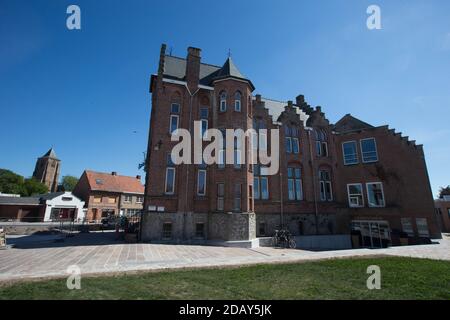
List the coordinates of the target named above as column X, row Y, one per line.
column 111, row 199
column 350, row 152
column 174, row 108
column 237, row 105
column 262, row 141
column 223, row 105
column 204, row 113
column 318, row 148
column 288, row 145
column 407, row 226
column 355, row 195
column 139, row 199
column 127, row 199
column 375, row 194
column 324, row 149
column 221, row 160
column 448, row 212
column 237, row 159
column 167, row 231
column 97, row 199
column 422, row 227
column 295, row 145
column 295, row 191
column 262, row 228
column 237, row 197
column 200, row 230
column 256, row 194
column 170, row 181
column 201, row 183
column 264, row 188
column 369, row 150
column 220, row 196
column 326, row 192
column 173, row 123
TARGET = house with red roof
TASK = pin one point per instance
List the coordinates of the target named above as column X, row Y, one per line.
column 109, row 194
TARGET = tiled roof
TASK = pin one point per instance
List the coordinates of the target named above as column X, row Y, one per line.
column 100, row 181
column 34, row 201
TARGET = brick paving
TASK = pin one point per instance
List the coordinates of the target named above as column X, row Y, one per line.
column 100, row 253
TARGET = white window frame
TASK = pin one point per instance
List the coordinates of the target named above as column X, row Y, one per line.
column 237, row 105
column 406, row 221
column 368, row 195
column 362, row 152
column 127, row 198
column 165, row 184
column 198, row 183
column 420, row 232
column 223, row 103
column 170, row 122
column 356, row 152
column 139, row 199
column 349, row 196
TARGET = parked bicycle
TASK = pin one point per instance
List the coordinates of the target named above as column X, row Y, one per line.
column 283, row 238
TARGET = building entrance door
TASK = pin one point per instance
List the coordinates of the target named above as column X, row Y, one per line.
column 374, row 234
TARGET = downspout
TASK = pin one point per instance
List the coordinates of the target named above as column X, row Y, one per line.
column 191, row 96
column 316, row 209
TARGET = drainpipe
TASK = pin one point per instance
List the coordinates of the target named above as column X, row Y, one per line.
column 191, row 96
column 316, row 209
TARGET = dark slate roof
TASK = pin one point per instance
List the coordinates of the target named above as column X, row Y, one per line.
column 20, row 201
column 50, row 154
column 350, row 123
column 175, row 68
column 50, row 196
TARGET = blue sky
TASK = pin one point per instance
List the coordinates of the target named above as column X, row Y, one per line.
column 86, row 92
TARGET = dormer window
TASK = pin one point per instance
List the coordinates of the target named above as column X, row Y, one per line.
column 237, row 101
column 223, row 101
column 321, row 143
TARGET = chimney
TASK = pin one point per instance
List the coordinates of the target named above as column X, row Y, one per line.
column 138, row 177
column 193, row 68
column 114, row 173
column 300, row 100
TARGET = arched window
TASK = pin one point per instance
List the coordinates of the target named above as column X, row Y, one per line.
column 237, row 101
column 223, row 102
column 321, row 143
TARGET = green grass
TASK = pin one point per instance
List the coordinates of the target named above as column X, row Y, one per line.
column 401, row 278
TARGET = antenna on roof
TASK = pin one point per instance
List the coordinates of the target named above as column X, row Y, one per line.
column 170, row 51
column 229, row 53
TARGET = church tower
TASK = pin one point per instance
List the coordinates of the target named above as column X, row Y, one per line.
column 47, row 170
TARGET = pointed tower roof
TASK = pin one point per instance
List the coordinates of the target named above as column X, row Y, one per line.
column 229, row 70
column 50, row 154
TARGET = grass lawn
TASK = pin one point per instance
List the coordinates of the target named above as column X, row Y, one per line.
column 401, row 278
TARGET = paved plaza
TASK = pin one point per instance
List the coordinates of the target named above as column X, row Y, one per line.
column 99, row 253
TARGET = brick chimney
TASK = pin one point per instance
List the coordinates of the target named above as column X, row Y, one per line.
column 193, row 68
column 114, row 173
column 138, row 177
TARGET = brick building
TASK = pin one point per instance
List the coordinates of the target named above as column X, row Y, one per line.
column 333, row 178
column 443, row 212
column 109, row 194
column 47, row 170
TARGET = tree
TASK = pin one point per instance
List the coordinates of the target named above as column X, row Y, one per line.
column 68, row 183
column 11, row 182
column 444, row 192
column 34, row 187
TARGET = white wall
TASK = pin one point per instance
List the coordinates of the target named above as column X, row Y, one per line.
column 58, row 202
